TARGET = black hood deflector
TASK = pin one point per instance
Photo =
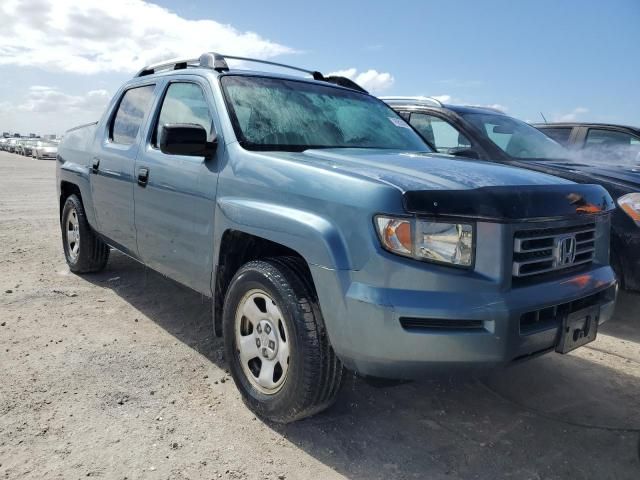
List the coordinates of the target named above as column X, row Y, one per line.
column 512, row 203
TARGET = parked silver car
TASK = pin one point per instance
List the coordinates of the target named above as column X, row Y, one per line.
column 11, row 145
column 44, row 150
column 25, row 147
column 18, row 149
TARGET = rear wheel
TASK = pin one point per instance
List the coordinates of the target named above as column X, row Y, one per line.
column 278, row 350
column 83, row 249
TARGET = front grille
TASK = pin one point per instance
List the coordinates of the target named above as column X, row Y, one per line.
column 542, row 251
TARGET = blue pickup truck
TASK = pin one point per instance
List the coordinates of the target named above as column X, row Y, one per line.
column 327, row 232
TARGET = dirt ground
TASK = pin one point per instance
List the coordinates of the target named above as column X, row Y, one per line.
column 118, row 375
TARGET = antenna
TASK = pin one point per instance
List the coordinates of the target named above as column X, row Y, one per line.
column 542, row 115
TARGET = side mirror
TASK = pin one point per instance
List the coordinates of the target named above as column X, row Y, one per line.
column 186, row 139
column 465, row 152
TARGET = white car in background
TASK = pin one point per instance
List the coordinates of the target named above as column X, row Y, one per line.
column 45, row 150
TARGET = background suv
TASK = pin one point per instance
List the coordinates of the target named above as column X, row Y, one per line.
column 598, row 140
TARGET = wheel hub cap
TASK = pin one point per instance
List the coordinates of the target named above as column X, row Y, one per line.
column 266, row 339
column 73, row 234
column 262, row 341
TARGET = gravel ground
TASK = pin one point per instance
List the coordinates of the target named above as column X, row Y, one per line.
column 118, row 375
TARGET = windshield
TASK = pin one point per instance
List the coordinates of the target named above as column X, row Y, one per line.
column 279, row 114
column 516, row 138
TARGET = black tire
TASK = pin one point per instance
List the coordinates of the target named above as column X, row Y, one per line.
column 92, row 253
column 314, row 371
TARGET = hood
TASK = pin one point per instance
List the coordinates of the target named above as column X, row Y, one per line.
column 419, row 171
column 448, row 186
column 626, row 173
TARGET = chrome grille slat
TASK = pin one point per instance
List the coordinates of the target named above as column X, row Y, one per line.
column 555, row 269
column 539, row 251
column 518, row 249
column 540, row 237
column 534, row 260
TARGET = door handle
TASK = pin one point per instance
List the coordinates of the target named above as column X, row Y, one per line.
column 143, row 176
column 95, row 166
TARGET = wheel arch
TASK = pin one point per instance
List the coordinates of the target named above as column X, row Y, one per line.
column 74, row 183
column 66, row 190
column 314, row 237
column 236, row 248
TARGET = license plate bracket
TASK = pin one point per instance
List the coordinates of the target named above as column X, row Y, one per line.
column 578, row 329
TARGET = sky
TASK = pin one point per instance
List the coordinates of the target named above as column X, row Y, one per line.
column 61, row 60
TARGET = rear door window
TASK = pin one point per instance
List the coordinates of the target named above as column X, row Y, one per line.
column 601, row 137
column 604, row 144
column 131, row 113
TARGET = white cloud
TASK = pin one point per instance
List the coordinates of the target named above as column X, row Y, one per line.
column 572, row 116
column 92, row 36
column 44, row 99
column 371, row 80
column 46, row 109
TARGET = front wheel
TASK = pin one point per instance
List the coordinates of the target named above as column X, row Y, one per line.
column 83, row 249
column 278, row 350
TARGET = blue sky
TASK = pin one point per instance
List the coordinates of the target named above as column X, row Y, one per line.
column 572, row 59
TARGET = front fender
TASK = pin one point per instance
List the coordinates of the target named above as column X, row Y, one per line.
column 314, row 237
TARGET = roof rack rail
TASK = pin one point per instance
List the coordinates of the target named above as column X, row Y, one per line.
column 173, row 64
column 215, row 61
column 218, row 62
column 431, row 101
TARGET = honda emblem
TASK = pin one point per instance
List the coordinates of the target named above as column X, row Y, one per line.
column 565, row 250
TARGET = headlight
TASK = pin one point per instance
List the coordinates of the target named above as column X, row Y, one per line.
column 448, row 243
column 630, row 203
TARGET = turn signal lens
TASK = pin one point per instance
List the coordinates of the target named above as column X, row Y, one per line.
column 395, row 234
column 630, row 203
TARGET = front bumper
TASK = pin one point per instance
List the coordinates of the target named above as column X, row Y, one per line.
column 474, row 328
